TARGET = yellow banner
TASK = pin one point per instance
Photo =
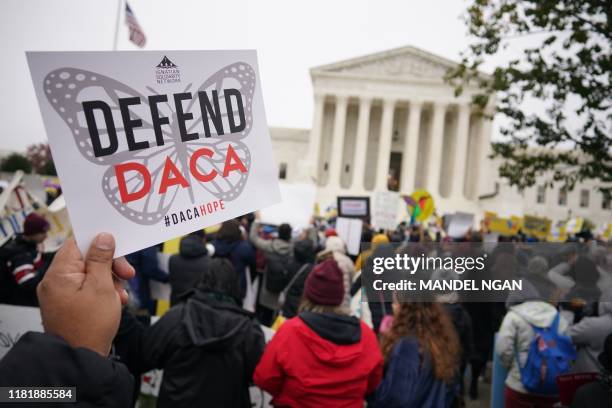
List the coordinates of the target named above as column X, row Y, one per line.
column 503, row 226
column 537, row 227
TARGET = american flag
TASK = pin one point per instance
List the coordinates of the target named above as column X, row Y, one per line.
column 136, row 34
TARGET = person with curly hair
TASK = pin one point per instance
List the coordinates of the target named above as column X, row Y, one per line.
column 421, row 351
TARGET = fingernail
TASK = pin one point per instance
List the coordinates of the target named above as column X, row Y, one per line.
column 104, row 241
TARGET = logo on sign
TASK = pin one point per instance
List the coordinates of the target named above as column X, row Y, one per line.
column 167, row 72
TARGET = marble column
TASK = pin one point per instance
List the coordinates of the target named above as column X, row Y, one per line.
column 411, row 147
column 338, row 142
column 461, row 152
column 484, row 179
column 434, row 162
column 314, row 145
column 384, row 145
column 363, row 126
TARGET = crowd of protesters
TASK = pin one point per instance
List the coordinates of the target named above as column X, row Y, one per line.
column 329, row 348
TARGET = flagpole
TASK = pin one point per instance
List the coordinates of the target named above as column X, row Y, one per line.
column 117, row 25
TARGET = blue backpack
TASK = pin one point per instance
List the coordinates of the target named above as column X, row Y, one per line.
column 550, row 354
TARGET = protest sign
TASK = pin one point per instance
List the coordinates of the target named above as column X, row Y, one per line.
column 349, row 229
column 354, row 207
column 153, row 145
column 15, row 321
column 537, row 227
column 557, row 232
column 385, row 210
column 59, row 224
column 459, row 224
column 296, row 207
column 420, row 205
column 605, row 230
column 502, row 226
column 574, row 225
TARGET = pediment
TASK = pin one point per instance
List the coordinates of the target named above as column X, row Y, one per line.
column 406, row 62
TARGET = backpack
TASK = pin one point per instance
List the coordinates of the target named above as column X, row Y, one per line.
column 278, row 273
column 282, row 297
column 549, row 356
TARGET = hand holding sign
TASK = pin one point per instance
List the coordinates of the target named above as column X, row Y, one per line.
column 80, row 301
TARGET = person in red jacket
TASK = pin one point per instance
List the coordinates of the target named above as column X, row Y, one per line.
column 322, row 357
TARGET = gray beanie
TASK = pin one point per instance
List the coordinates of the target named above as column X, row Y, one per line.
column 538, row 265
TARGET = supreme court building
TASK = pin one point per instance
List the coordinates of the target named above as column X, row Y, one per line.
column 390, row 121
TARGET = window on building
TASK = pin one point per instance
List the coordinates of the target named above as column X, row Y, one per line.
column 562, row 197
column 541, row 195
column 584, row 198
column 347, row 168
column 282, row 171
column 605, row 203
column 326, row 166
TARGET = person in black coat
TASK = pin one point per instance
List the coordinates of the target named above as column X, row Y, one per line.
column 126, row 347
column 230, row 243
column 186, row 267
column 207, row 346
column 463, row 325
column 599, row 393
column 303, row 261
column 80, row 303
column 22, row 264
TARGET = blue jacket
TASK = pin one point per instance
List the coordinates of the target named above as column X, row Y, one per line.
column 147, row 267
column 240, row 253
column 407, row 382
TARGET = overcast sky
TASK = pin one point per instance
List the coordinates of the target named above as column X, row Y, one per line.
column 290, row 37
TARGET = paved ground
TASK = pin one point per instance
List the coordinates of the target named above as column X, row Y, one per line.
column 484, row 391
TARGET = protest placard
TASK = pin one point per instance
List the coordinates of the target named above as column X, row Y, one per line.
column 537, row 227
column 15, row 321
column 557, row 232
column 153, row 145
column 349, row 229
column 385, row 210
column 605, row 230
column 420, row 205
column 460, row 223
column 354, row 207
column 502, row 226
column 574, row 225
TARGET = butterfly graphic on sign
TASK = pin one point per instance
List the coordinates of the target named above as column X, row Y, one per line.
column 67, row 88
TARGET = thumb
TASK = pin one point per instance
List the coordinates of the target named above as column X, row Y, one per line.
column 67, row 254
column 99, row 261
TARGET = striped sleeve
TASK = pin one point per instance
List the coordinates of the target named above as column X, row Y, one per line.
column 24, row 268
